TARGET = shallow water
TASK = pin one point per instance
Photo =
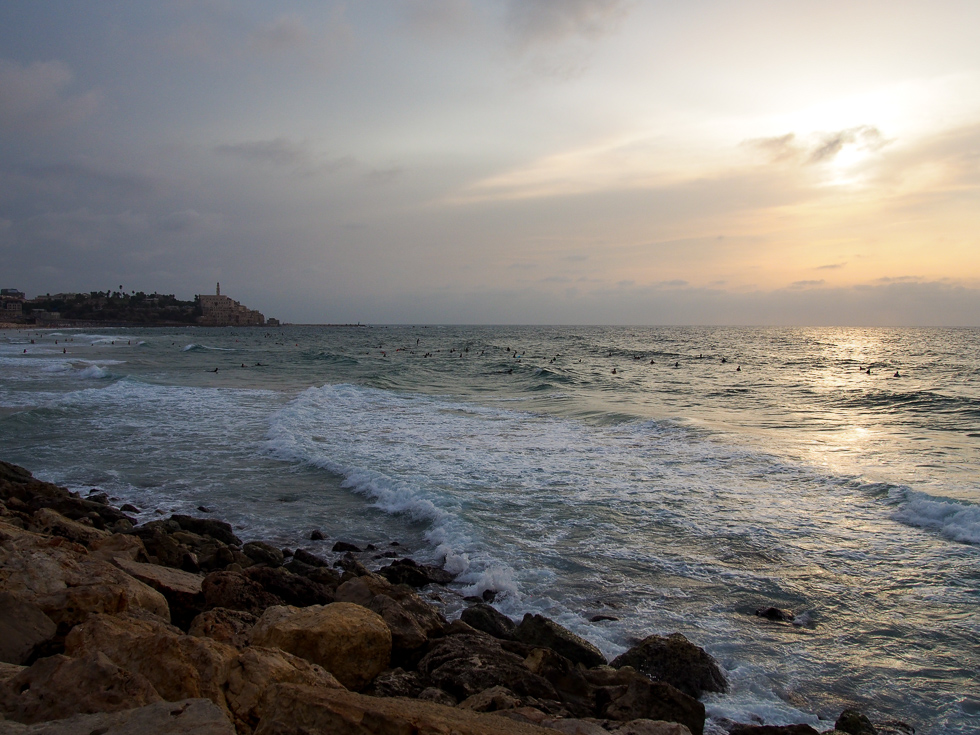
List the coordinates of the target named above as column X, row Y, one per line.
column 677, row 495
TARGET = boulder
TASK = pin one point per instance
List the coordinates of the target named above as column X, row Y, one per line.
column 254, row 673
column 58, row 686
column 350, row 641
column 178, row 666
column 676, row 661
column 18, row 486
column 776, row 614
column 306, row 557
column 342, row 546
column 24, row 629
column 218, row 530
column 576, row 692
column 652, row 700
column 539, row 631
column 406, row 571
column 488, row 619
column 263, row 553
column 361, row 590
column 182, row 590
column 853, row 722
column 296, row 709
column 437, row 695
column 236, row 592
column 51, row 522
column 186, row 717
column 122, row 545
column 293, row 589
column 68, row 584
column 231, row 627
column 464, row 665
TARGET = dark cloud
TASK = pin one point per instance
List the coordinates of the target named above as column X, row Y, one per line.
column 547, row 21
column 830, row 267
column 34, row 98
column 807, row 284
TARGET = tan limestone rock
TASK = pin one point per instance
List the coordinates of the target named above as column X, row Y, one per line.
column 257, row 669
column 57, row 687
column 295, row 709
column 228, row 626
column 122, row 545
column 187, row 717
column 350, row 641
column 51, row 522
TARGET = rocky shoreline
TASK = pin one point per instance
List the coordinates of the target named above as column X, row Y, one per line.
column 178, row 626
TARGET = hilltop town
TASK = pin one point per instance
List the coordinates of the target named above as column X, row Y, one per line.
column 118, row 308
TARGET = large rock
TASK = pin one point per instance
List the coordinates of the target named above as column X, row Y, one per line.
column 676, row 661
column 181, row 589
column 256, row 670
column 58, row 686
column 801, row 729
column 488, row 619
column 62, row 579
column 52, row 523
column 178, row 666
column 407, row 571
column 218, row 530
column 119, row 545
column 539, row 631
column 231, row 627
column 187, row 717
column 350, row 641
column 854, row 723
column 24, row 629
column 236, row 592
column 17, row 485
column 298, row 709
column 263, row 553
column 577, row 694
column 653, row 700
column 293, row 589
column 650, row 727
column 464, row 665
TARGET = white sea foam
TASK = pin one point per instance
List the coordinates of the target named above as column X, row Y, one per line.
column 93, row 372
column 953, row 520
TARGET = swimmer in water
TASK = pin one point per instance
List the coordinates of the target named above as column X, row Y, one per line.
column 896, row 375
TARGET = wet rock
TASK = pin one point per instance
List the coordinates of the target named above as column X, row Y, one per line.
column 489, row 620
column 24, row 630
column 204, row 509
column 293, row 589
column 129, row 508
column 406, row 571
column 853, row 722
column 231, row 627
column 263, row 553
column 304, row 709
column 537, row 630
column 187, row 717
column 576, row 693
column 397, row 683
column 602, row 618
column 676, row 661
column 235, row 591
column 350, row 641
column 58, row 686
column 182, row 590
column 653, row 700
column 650, row 727
column 775, row 614
column 218, row 530
column 306, row 557
column 316, row 535
column 342, row 546
column 464, row 665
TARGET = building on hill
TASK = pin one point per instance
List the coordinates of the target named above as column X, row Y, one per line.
column 222, row 311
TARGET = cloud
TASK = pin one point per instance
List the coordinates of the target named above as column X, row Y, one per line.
column 819, row 147
column 289, row 36
column 33, row 97
column 437, row 17
column 533, row 22
column 830, row 267
column 300, row 156
column 807, row 284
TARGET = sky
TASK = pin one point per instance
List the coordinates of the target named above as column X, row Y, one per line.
column 500, row 161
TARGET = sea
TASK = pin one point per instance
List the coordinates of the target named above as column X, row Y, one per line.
column 672, row 479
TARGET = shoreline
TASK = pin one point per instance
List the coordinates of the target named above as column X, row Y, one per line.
column 188, row 585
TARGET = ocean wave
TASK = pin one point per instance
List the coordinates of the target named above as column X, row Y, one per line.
column 951, row 519
column 191, row 347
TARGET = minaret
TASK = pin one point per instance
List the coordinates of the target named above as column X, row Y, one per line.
column 218, row 290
